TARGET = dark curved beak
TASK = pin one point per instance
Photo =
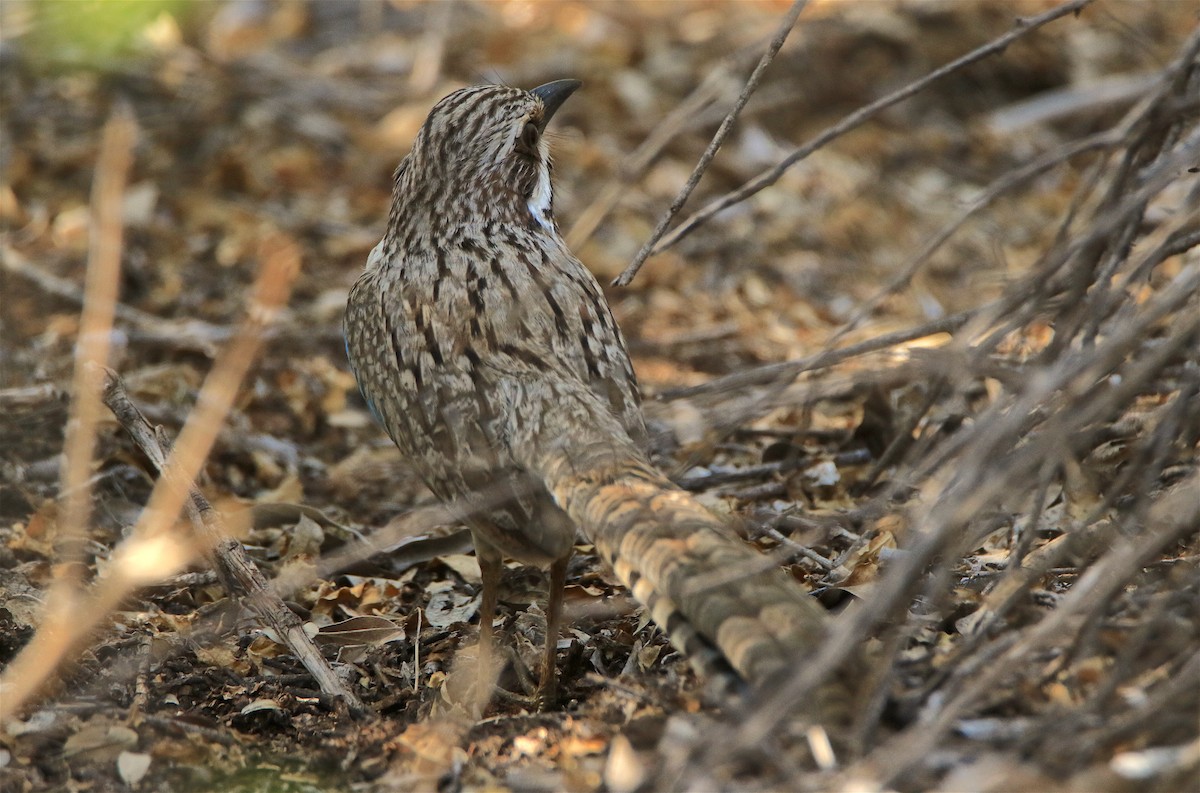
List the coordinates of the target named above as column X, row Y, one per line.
column 553, row 95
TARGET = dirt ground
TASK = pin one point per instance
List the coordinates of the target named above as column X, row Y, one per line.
column 1045, row 635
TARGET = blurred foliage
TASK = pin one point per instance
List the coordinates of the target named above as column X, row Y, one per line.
column 63, row 35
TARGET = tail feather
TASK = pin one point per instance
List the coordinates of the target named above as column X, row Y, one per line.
column 703, row 586
column 658, row 538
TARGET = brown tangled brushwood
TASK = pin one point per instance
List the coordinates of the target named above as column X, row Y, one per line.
column 946, row 369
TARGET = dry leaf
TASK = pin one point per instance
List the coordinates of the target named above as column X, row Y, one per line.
column 100, row 742
column 369, row 630
column 132, row 766
column 447, row 605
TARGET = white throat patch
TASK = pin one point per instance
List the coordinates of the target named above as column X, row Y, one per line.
column 539, row 202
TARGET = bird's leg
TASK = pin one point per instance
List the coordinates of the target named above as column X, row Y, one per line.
column 489, row 573
column 548, row 688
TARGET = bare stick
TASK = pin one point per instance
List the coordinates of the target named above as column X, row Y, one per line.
column 34, row 664
column 679, row 118
column 14, row 262
column 1061, row 410
column 153, row 551
column 188, row 333
column 785, row 27
column 855, row 119
column 955, row 500
column 95, row 331
column 789, row 370
column 1009, row 181
column 1173, row 516
column 237, row 571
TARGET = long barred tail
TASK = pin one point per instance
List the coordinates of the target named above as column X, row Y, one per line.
column 716, row 597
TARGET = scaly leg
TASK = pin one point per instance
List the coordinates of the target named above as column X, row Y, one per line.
column 548, row 688
column 489, row 571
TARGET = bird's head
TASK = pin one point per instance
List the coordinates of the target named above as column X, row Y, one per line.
column 484, row 148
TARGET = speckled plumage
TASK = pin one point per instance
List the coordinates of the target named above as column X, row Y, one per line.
column 492, row 359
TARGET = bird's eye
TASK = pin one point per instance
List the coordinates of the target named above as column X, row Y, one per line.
column 530, row 135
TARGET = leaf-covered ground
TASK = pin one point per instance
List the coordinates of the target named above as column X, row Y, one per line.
column 1002, row 660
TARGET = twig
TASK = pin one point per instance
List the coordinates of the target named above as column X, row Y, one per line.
column 407, row 538
column 1009, row 181
column 1172, row 517
column 239, row 574
column 637, row 162
column 789, row 370
column 95, row 326
column 1124, row 326
column 153, row 551
column 190, row 334
column 33, row 666
column 858, row 117
column 1048, row 107
column 781, row 34
column 976, row 486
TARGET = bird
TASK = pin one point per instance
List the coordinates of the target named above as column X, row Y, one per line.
column 491, row 357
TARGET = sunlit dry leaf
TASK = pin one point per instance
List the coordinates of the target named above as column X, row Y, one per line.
column 1059, row 694
column 100, row 742
column 132, row 767
column 222, row 656
column 265, row 645
column 275, row 122
column 623, row 771
column 39, row 531
column 39, row 721
column 304, row 539
column 295, row 575
column 369, row 630
column 149, row 559
column 648, row 655
column 864, row 564
column 434, row 743
column 363, row 595
column 532, row 743
column 466, row 565
column 580, row 741
column 1149, row 763
column 397, row 129
column 260, row 704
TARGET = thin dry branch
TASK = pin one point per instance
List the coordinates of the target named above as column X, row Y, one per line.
column 855, row 119
column 95, row 334
column 239, row 574
column 31, row 668
column 789, row 370
column 998, row 188
column 187, row 334
column 1174, row 516
column 153, row 550
column 1016, row 305
column 679, row 118
column 781, row 34
column 1051, row 414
